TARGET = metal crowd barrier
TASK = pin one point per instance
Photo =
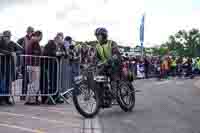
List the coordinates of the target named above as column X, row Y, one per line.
column 47, row 77
column 7, row 74
column 66, row 79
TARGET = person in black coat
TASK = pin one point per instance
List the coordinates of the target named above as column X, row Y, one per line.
column 49, row 70
column 146, row 67
column 8, row 50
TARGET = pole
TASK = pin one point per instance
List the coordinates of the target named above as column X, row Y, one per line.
column 142, row 50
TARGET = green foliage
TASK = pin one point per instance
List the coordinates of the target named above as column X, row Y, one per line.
column 183, row 43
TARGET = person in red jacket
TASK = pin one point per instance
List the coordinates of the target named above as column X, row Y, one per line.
column 32, row 62
column 24, row 41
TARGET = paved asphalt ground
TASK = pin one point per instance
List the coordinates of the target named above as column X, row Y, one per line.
column 170, row 106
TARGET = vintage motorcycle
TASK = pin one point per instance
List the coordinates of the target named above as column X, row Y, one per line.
column 96, row 90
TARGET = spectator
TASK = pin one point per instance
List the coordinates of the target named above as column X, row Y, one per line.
column 197, row 66
column 54, row 48
column 173, row 66
column 67, row 42
column 187, row 66
column 140, row 68
column 164, row 67
column 179, row 66
column 146, row 67
column 158, row 68
column 74, row 57
column 8, row 48
column 133, row 66
column 24, row 41
column 84, row 54
column 126, row 58
column 92, row 55
column 61, row 35
column 32, row 63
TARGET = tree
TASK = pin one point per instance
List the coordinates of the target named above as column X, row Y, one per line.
column 184, row 43
column 161, row 51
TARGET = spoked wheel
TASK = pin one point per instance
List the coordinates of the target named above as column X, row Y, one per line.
column 126, row 96
column 87, row 102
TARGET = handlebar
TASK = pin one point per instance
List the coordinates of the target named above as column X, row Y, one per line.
column 92, row 67
column 99, row 64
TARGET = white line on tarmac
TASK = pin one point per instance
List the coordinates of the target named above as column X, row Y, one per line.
column 20, row 128
column 162, row 82
column 70, row 113
column 179, row 82
column 58, row 109
column 37, row 118
column 51, row 110
column 93, row 125
column 98, row 126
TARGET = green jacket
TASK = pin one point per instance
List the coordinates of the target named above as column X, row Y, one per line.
column 198, row 64
column 173, row 63
column 104, row 51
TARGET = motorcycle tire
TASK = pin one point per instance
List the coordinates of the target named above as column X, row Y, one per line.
column 81, row 110
column 124, row 106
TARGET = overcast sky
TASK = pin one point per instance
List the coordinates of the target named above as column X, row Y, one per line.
column 79, row 18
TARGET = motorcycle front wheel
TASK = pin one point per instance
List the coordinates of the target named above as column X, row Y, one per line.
column 87, row 103
column 126, row 96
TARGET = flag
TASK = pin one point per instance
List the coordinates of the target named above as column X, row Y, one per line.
column 142, row 29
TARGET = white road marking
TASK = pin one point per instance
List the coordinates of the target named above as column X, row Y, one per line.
column 41, row 119
column 92, row 126
column 162, row 82
column 179, row 83
column 97, row 125
column 52, row 110
column 21, row 128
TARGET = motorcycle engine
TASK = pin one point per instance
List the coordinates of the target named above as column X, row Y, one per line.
column 107, row 97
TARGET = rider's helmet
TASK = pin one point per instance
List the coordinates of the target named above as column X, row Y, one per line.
column 101, row 31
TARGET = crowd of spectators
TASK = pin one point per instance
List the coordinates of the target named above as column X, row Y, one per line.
column 164, row 67
column 34, row 69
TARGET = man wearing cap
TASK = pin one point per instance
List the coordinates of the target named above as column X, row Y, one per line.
column 8, row 51
column 67, row 42
column 24, row 41
column 9, row 45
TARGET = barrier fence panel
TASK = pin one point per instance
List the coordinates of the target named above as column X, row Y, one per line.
column 40, row 75
column 68, row 70
column 30, row 76
column 7, row 74
column 33, row 76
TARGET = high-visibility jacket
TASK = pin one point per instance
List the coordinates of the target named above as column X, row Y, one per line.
column 104, row 51
column 198, row 64
column 173, row 63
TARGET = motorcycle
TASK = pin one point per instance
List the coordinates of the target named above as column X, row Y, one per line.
column 97, row 91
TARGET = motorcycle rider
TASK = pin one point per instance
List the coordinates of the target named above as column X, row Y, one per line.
column 107, row 52
column 107, row 49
